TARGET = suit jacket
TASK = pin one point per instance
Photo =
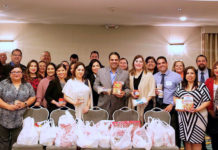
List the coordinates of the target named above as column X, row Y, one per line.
column 209, row 72
column 95, row 95
column 111, row 102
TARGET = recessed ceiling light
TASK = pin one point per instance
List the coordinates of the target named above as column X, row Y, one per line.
column 183, row 18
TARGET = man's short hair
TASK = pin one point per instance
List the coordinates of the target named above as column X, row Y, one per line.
column 74, row 56
column 162, row 57
column 201, row 55
column 94, row 52
column 114, row 53
column 16, row 50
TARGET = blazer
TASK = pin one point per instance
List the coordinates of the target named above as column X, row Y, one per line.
column 54, row 92
column 111, row 102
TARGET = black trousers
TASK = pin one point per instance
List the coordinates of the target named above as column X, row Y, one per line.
column 8, row 137
column 174, row 122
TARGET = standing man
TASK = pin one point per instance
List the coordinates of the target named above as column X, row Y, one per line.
column 16, row 57
column 105, row 79
column 169, row 81
column 46, row 57
column 203, row 72
column 94, row 55
column 3, row 58
column 74, row 58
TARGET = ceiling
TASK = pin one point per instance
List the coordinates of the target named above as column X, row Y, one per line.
column 114, row 12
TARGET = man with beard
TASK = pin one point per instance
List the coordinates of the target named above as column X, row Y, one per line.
column 203, row 72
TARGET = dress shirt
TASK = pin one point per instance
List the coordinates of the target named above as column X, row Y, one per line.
column 206, row 74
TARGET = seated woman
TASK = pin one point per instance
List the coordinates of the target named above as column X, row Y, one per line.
column 31, row 74
column 144, row 83
column 54, row 94
column 43, row 85
column 192, row 121
column 94, row 66
column 15, row 96
column 78, row 92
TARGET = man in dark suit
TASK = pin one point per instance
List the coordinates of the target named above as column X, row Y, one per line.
column 105, row 79
column 203, row 72
column 16, row 56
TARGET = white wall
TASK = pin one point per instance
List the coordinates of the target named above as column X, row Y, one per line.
column 63, row 40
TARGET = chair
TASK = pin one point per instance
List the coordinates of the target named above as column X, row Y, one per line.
column 38, row 113
column 55, row 114
column 158, row 113
column 60, row 148
column 96, row 114
column 125, row 114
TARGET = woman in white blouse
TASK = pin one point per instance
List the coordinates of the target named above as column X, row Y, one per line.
column 77, row 91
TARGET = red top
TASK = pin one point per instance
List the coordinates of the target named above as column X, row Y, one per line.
column 209, row 83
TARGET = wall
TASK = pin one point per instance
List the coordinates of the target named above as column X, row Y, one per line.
column 63, row 40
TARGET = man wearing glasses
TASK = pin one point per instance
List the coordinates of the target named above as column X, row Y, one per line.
column 16, row 56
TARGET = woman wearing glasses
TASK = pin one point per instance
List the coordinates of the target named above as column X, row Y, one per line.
column 15, row 96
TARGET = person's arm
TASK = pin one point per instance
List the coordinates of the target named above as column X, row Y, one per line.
column 152, row 85
column 39, row 94
column 7, row 106
column 202, row 106
column 71, row 101
column 27, row 103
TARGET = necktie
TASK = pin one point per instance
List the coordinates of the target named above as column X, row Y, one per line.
column 160, row 100
column 202, row 77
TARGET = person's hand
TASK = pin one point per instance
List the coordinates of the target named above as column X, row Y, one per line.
column 134, row 96
column 180, row 110
column 156, row 91
column 20, row 104
column 37, row 104
column 120, row 95
column 169, row 108
column 63, row 104
column 78, row 102
column 85, row 109
column 193, row 110
column 12, row 107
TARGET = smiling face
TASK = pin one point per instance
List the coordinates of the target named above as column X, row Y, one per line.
column 114, row 62
column 50, row 70
column 61, row 72
column 151, row 64
column 162, row 65
column 190, row 75
column 95, row 67
column 201, row 63
column 123, row 64
column 179, row 68
column 42, row 67
column 79, row 72
column 138, row 64
column 33, row 68
column 16, row 57
column 16, row 74
column 215, row 70
column 94, row 56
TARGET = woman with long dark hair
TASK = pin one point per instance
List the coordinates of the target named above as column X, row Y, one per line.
column 192, row 121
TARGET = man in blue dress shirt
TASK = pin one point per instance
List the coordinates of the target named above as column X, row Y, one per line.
column 169, row 81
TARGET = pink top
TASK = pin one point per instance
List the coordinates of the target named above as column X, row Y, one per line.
column 41, row 89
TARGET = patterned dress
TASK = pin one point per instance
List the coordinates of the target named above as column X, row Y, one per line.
column 192, row 126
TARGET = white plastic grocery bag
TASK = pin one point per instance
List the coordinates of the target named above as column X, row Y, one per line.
column 48, row 133
column 141, row 139
column 28, row 135
column 87, row 136
column 121, row 138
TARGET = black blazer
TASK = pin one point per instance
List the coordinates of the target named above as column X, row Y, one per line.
column 54, row 92
column 95, row 95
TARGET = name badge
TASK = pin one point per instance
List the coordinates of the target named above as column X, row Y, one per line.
column 169, row 83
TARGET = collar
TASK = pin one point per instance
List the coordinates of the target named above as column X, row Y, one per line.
column 166, row 73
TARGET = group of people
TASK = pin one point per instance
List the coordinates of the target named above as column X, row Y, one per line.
column 81, row 87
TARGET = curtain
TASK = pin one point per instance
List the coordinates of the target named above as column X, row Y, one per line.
column 210, row 47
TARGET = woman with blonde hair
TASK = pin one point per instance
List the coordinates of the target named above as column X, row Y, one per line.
column 179, row 67
column 141, row 82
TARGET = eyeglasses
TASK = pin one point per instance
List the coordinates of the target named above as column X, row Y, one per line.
column 14, row 72
column 16, row 55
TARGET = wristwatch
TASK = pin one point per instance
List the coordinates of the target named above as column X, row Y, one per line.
column 26, row 104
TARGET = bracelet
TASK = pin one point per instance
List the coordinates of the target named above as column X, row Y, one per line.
column 26, row 104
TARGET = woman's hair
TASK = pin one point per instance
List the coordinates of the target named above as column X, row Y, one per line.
column 91, row 64
column 27, row 72
column 133, row 70
column 50, row 64
column 185, row 82
column 69, row 72
column 214, row 66
column 174, row 64
column 61, row 65
column 151, row 57
column 126, row 62
column 77, row 64
column 12, row 68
